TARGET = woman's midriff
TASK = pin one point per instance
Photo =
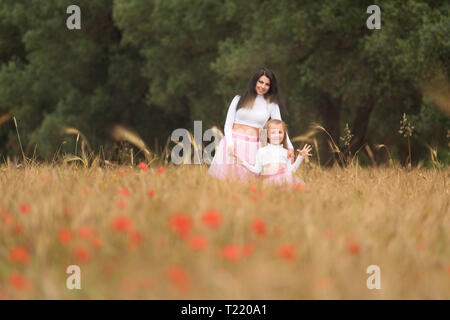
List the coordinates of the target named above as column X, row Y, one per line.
column 244, row 129
column 272, row 168
column 268, row 169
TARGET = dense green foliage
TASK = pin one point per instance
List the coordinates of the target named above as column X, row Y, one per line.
column 158, row 65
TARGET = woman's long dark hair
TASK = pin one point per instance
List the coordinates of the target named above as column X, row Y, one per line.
column 248, row 98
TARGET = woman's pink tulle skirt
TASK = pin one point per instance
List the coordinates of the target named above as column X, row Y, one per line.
column 223, row 166
column 282, row 177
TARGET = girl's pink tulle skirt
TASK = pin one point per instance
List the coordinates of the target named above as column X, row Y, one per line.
column 223, row 166
column 283, row 177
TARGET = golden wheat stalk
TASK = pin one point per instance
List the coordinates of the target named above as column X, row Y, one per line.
column 333, row 146
column 216, row 133
column 379, row 146
column 307, row 136
column 195, row 146
column 433, row 155
column 166, row 151
column 5, row 117
column 69, row 158
column 20, row 143
column 370, row 153
column 314, row 129
column 317, row 151
column 118, row 132
column 69, row 130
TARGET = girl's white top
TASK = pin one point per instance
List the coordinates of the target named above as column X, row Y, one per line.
column 256, row 117
column 272, row 154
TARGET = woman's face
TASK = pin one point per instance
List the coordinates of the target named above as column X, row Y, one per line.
column 262, row 85
column 276, row 134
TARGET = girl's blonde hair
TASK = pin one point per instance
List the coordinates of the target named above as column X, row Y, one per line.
column 267, row 128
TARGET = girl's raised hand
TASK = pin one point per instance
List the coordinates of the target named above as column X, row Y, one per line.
column 305, row 152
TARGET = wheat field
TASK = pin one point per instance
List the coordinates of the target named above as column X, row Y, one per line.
column 174, row 232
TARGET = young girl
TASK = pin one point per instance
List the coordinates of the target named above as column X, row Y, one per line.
column 272, row 162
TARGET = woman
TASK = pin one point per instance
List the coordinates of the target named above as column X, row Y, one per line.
column 246, row 116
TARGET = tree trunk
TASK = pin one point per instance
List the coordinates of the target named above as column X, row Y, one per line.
column 360, row 125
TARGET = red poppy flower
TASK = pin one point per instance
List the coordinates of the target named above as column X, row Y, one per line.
column 151, row 193
column 85, row 191
column 96, row 243
column 259, row 227
column 7, row 219
column 420, row 245
column 18, row 229
column 19, row 282
column 179, row 277
column 254, row 198
column 231, row 252
column 143, row 166
column 287, row 251
column 120, row 173
column 82, row 254
column 253, row 188
column 353, row 248
column 181, row 223
column 447, row 269
column 212, row 218
column 65, row 236
column 86, row 232
column 124, row 192
column 235, row 197
column 135, row 238
column 160, row 170
column 352, row 245
column 45, row 178
column 121, row 204
column 299, row 187
column 19, row 255
column 25, row 208
column 121, row 223
column 197, row 242
column 67, row 211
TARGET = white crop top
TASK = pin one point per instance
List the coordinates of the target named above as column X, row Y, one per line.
column 272, row 154
column 256, row 117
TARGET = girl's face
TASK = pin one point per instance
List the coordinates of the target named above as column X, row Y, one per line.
column 262, row 85
column 276, row 134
